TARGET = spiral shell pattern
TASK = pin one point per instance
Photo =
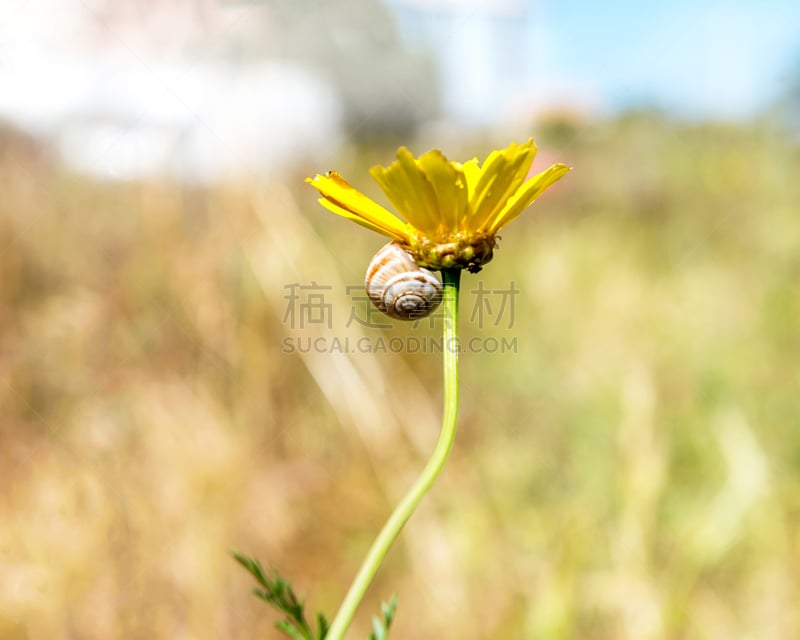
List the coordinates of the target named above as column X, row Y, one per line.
column 400, row 288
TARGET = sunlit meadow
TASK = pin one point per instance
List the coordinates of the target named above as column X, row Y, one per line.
column 627, row 469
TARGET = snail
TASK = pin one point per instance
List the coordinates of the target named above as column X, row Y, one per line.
column 400, row 288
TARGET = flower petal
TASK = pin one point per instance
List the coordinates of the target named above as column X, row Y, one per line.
column 384, row 230
column 502, row 174
column 472, row 172
column 405, row 184
column 526, row 194
column 449, row 185
column 343, row 199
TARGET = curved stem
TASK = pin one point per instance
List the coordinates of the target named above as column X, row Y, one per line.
column 408, row 504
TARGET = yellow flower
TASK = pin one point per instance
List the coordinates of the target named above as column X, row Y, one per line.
column 453, row 211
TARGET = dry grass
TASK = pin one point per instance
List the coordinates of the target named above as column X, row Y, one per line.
column 629, row 473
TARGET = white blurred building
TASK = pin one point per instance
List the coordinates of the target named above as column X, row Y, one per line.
column 126, row 89
column 494, row 57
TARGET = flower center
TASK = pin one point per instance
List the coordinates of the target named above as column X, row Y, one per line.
column 469, row 250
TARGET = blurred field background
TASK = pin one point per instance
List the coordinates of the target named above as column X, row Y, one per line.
column 631, row 470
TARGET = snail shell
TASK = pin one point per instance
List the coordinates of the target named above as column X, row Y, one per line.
column 400, row 288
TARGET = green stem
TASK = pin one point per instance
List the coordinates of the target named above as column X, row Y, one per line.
column 409, row 503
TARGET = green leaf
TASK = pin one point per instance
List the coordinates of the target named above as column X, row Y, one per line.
column 290, row 630
column 322, row 622
column 378, row 631
column 279, row 594
column 381, row 627
column 388, row 610
column 253, row 566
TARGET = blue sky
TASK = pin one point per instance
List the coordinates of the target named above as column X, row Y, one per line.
column 699, row 59
column 727, row 58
